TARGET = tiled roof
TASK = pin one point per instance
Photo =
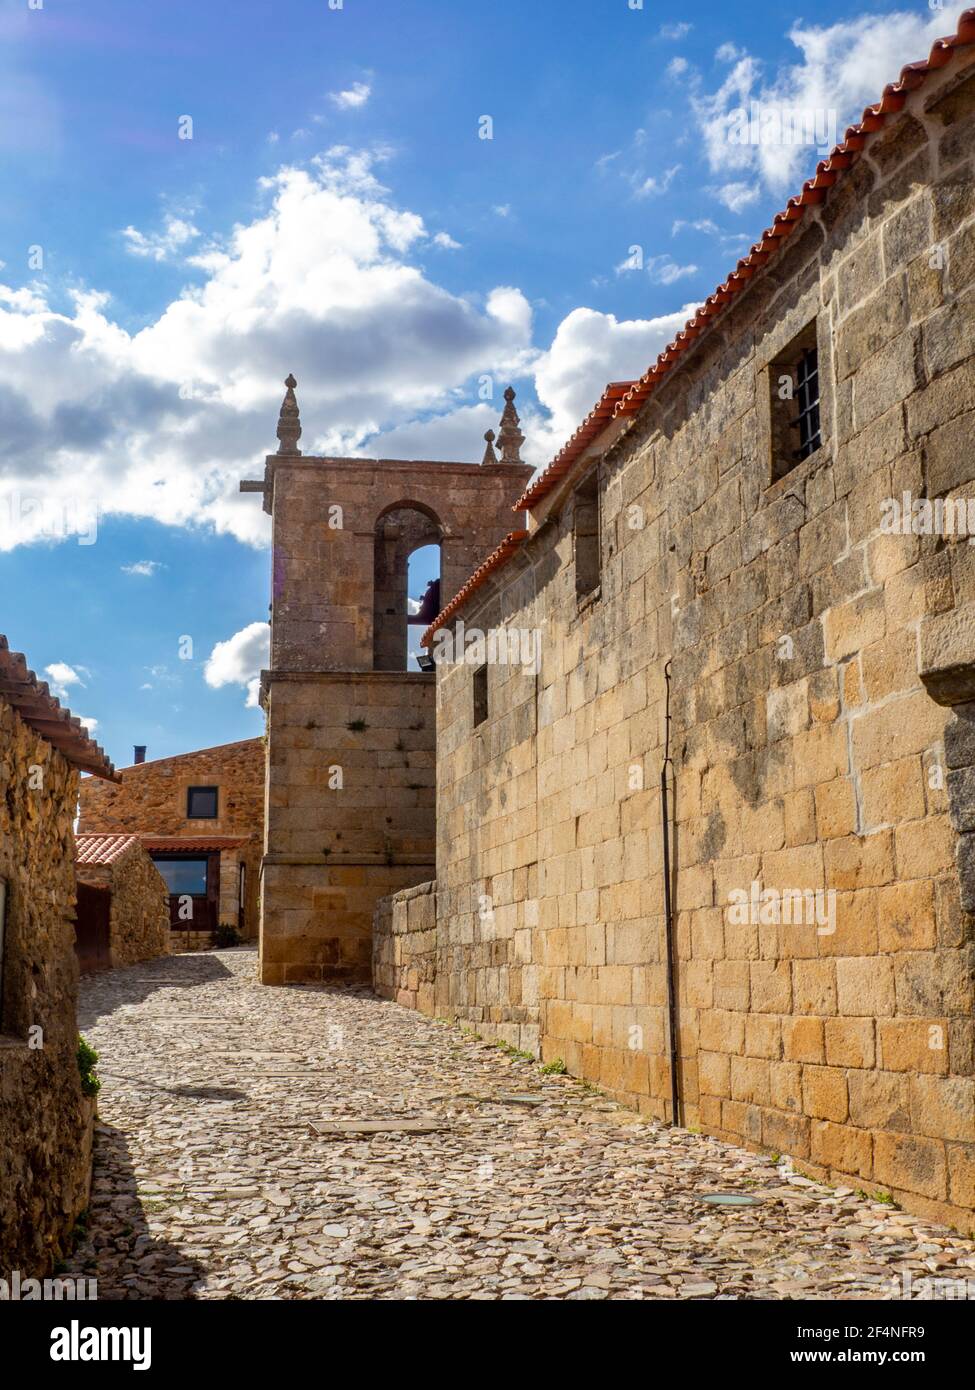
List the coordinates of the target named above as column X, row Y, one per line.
column 497, row 558
column 102, row 849
column 35, row 704
column 814, row 191
column 594, row 423
column 194, row 843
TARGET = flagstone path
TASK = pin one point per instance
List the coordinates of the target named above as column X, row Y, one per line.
column 225, row 1167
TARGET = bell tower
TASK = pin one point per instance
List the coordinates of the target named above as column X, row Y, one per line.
column 351, row 769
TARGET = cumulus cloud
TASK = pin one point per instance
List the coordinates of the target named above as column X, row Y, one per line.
column 90, row 724
column 61, row 677
column 677, row 67
column 675, row 31
column 840, row 69
column 591, row 349
column 164, row 422
column 240, row 659
column 353, row 97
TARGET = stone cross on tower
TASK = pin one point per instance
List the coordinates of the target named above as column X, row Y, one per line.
column 289, row 423
column 510, row 437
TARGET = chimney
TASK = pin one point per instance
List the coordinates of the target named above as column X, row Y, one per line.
column 140, row 752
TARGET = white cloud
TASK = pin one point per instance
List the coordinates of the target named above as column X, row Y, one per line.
column 502, row 209
column 701, row 224
column 353, row 97
column 445, row 240
column 677, row 66
column 735, row 196
column 143, row 568
column 90, row 724
column 591, row 349
column 840, row 69
column 675, row 31
column 664, row 270
column 645, row 186
column 62, row 676
column 161, row 246
column 240, row 659
column 165, row 421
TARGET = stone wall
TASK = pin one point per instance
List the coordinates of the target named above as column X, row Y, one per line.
column 150, row 800
column 813, row 655
column 45, row 1122
column 139, row 923
column 350, row 815
column 351, row 739
column 404, row 947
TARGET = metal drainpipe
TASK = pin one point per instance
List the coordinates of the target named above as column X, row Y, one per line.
column 675, row 1096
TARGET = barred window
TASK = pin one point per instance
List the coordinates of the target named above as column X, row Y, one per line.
column 795, row 403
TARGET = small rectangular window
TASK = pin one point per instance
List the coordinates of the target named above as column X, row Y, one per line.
column 201, row 803
column 585, row 527
column 795, row 403
column 480, row 695
column 184, row 876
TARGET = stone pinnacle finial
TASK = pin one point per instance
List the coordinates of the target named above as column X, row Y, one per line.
column 510, row 437
column 289, row 423
column 489, row 455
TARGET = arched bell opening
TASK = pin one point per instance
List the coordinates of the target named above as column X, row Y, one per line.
column 407, row 583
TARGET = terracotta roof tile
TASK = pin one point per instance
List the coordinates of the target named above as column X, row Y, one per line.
column 35, row 704
column 621, row 399
column 814, row 191
column 600, row 415
column 508, row 546
column 102, row 849
column 190, row 843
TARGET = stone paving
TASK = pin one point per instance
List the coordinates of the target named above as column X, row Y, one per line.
column 217, row 1175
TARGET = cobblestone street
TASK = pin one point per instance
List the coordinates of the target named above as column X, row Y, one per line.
column 213, row 1180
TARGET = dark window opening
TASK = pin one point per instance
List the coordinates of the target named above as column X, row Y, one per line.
column 201, row 803
column 585, row 526
column 795, row 403
column 480, row 695
column 184, row 877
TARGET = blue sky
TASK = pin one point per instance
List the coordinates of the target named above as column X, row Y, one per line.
column 336, row 214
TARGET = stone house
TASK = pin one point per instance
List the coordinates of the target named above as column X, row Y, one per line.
column 200, row 818
column 123, row 903
column 350, row 768
column 706, row 811
column 46, row 1122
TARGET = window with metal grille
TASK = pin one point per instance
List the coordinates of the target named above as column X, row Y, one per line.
column 795, row 415
column 807, row 399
